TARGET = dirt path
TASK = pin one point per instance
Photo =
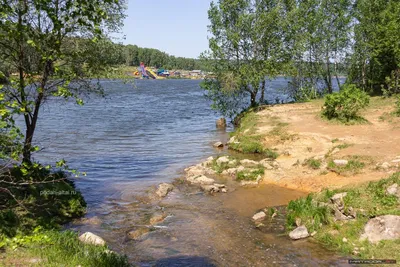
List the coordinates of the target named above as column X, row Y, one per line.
column 306, row 136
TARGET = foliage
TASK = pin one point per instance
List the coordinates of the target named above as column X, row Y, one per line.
column 52, row 47
column 55, row 248
column 313, row 163
column 308, row 211
column 375, row 61
column 34, row 195
column 346, row 104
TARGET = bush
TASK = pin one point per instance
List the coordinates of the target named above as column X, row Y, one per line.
column 345, row 105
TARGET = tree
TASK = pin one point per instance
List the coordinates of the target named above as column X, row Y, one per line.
column 375, row 63
column 246, row 49
column 49, row 45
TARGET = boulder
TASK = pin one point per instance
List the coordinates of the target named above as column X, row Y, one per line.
column 90, row 238
column 222, row 160
column 163, row 189
column 340, row 162
column 208, row 162
column 232, row 163
column 249, row 163
column 385, row 227
column 200, row 179
column 393, row 190
column 396, row 161
column 299, row 233
column 221, row 123
column 223, row 190
column 218, row 145
column 259, row 216
column 157, row 218
column 337, row 199
column 232, row 140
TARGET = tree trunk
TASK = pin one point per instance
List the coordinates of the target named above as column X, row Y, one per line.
column 262, row 101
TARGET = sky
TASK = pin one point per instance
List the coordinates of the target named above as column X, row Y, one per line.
column 177, row 27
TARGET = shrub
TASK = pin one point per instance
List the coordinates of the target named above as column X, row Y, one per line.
column 345, row 105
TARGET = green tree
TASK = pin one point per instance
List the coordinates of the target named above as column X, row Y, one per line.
column 47, row 44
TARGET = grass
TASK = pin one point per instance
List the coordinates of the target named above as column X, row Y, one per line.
column 250, row 175
column 54, row 248
column 313, row 163
column 369, row 200
column 248, row 141
column 224, row 166
column 355, row 165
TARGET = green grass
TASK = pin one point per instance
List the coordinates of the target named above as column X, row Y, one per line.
column 368, row 200
column 280, row 131
column 224, row 166
column 248, row 141
column 343, row 146
column 355, row 165
column 250, row 175
column 313, row 163
column 54, row 248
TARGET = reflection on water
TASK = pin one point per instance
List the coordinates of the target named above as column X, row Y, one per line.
column 142, row 135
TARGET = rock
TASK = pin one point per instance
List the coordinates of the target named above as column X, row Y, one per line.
column 208, row 162
column 240, row 168
column 222, row 160
column 244, row 183
column 218, row 145
column 340, row 162
column 221, row 123
column 344, row 240
column 298, row 222
column 396, row 161
column 339, row 216
column 249, row 163
column 259, row 216
column 319, row 157
column 163, row 189
column 220, row 185
column 385, row 227
column 232, row 163
column 266, row 164
column 223, row 190
column 337, row 200
column 200, row 179
column 138, row 233
column 157, row 218
column 275, row 164
column 385, row 165
column 90, row 238
column 230, row 171
column 198, row 170
column 210, row 188
column 299, row 233
column 393, row 190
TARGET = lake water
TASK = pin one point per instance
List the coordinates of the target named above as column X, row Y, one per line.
column 141, row 135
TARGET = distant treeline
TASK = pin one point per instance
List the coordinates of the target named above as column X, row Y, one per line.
column 132, row 55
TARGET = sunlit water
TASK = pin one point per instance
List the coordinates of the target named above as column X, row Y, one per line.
column 141, row 135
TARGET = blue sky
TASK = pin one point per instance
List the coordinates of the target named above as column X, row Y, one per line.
column 178, row 27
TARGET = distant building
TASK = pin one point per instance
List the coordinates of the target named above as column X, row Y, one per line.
column 196, row 73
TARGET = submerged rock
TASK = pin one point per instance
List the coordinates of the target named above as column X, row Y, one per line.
column 138, row 233
column 299, row 233
column 210, row 188
column 90, row 238
column 385, row 227
column 157, row 218
column 259, row 216
column 200, row 179
column 163, row 189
